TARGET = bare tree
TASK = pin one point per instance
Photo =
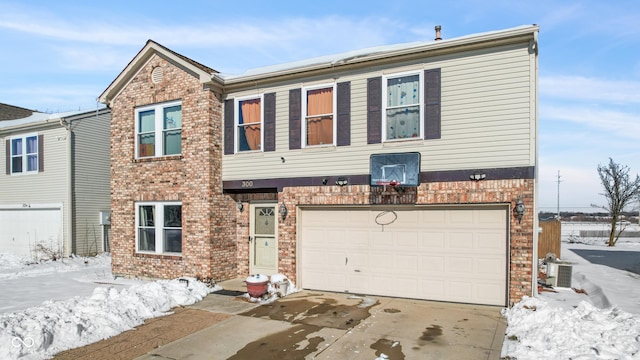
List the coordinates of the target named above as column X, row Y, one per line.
column 619, row 190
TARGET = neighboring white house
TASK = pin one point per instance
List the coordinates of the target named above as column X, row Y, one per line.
column 54, row 192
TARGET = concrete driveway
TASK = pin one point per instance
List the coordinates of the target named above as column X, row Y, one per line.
column 321, row 325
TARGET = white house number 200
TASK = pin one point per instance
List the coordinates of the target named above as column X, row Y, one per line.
column 247, row 183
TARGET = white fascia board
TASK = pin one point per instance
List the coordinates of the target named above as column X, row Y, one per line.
column 375, row 53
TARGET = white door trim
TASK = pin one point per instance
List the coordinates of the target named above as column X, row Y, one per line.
column 254, row 238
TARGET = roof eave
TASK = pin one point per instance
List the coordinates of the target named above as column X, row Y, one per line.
column 434, row 48
column 151, row 48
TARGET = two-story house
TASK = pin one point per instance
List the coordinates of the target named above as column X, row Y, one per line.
column 405, row 170
column 54, row 192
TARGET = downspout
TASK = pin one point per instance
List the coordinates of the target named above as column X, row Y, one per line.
column 69, row 222
column 536, row 223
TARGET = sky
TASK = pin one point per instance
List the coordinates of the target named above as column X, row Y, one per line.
column 60, row 56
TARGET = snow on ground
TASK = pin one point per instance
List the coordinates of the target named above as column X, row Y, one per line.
column 52, row 306
column 57, row 305
column 604, row 323
column 28, row 284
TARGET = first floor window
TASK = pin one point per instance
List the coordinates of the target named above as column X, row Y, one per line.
column 24, row 154
column 402, row 107
column 159, row 130
column 159, row 227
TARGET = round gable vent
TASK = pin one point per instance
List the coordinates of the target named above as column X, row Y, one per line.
column 156, row 75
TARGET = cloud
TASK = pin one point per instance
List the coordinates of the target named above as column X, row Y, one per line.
column 90, row 44
column 235, row 32
column 606, row 121
column 593, row 89
column 53, row 99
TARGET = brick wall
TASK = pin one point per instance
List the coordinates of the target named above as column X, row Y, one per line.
column 458, row 192
column 209, row 247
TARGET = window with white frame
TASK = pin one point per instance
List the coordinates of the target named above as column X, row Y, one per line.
column 159, row 227
column 249, row 124
column 24, row 154
column 403, row 106
column 319, row 109
column 159, row 130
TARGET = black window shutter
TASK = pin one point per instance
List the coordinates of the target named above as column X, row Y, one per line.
column 432, row 117
column 343, row 105
column 40, row 153
column 295, row 109
column 374, row 110
column 228, row 126
column 269, row 122
column 8, row 157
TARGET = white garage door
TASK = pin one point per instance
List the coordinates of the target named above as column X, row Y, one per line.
column 447, row 254
column 22, row 229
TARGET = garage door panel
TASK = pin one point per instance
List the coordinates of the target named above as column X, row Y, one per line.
column 381, row 239
column 464, row 217
column 492, row 217
column 432, row 263
column 433, row 240
column 433, row 288
column 407, row 240
column 490, row 266
column 440, row 254
column 460, row 290
column 407, row 263
column 489, row 292
column 433, row 217
column 491, row 241
column 408, row 218
column 383, row 261
column 460, row 266
column 358, row 261
column 461, row 240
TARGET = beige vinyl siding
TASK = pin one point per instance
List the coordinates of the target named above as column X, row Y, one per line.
column 91, row 180
column 488, row 121
column 47, row 187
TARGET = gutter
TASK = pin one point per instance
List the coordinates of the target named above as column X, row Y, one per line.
column 438, row 47
column 69, row 209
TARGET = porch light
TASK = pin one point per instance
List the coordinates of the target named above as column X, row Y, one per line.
column 283, row 211
column 342, row 181
column 477, row 176
column 239, row 205
column 519, row 209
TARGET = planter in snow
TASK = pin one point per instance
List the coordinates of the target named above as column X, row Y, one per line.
column 257, row 285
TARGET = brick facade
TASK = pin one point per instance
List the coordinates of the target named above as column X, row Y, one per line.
column 215, row 233
column 437, row 193
column 209, row 248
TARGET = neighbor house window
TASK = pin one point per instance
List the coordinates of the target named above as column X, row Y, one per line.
column 24, row 154
column 159, row 130
column 249, row 125
column 402, row 107
column 319, row 107
column 159, row 227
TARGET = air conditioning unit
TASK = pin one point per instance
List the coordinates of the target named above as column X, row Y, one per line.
column 559, row 274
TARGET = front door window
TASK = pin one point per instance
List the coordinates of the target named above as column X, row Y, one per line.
column 264, row 247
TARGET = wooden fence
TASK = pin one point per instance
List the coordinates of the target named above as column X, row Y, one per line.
column 549, row 238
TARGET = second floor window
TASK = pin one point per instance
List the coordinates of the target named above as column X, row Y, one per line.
column 159, row 130
column 319, row 113
column 249, row 129
column 403, row 105
column 24, row 154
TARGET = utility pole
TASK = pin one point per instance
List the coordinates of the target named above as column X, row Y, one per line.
column 559, row 181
